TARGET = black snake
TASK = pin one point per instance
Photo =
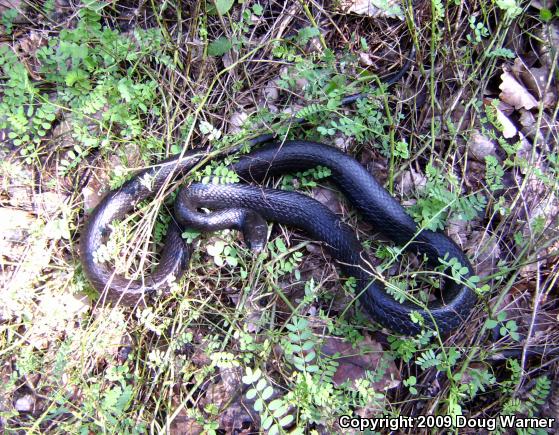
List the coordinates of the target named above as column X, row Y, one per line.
column 246, row 207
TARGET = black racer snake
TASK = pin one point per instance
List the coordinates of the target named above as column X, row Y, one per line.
column 247, row 207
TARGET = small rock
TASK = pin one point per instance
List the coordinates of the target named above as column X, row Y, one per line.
column 481, row 146
column 25, row 403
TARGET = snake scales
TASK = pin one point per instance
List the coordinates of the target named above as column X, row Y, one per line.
column 247, row 207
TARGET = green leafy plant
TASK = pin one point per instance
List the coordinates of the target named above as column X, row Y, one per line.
column 438, row 202
column 508, row 328
column 274, row 414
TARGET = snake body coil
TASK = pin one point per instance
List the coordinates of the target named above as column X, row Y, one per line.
column 244, row 206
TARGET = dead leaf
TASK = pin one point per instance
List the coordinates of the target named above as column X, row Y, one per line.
column 411, row 181
column 548, row 36
column 509, row 130
column 457, row 230
column 514, row 93
column 354, row 362
column 536, row 82
column 372, row 8
column 365, row 59
column 27, row 48
column 271, row 91
column 328, row 198
column 237, row 121
column 486, row 251
column 480, row 146
column 185, row 425
column 234, row 418
column 527, row 119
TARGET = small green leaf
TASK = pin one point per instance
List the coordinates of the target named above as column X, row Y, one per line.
column 267, row 422
column 75, row 76
column 312, row 369
column 275, row 404
column 280, row 411
column 223, row 6
column 261, row 384
column 281, row 246
column 267, row 393
column 215, row 249
column 286, row 420
column 219, row 47
column 306, row 33
column 257, row 9
column 546, row 15
column 310, row 356
column 258, row 405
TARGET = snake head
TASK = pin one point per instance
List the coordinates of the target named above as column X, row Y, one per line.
column 255, row 231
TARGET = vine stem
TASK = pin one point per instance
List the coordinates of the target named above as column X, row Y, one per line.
column 313, row 22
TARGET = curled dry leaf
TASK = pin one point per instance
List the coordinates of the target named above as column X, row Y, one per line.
column 509, row 130
column 535, row 80
column 514, row 93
